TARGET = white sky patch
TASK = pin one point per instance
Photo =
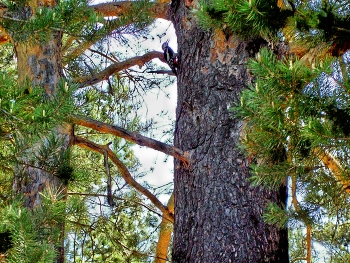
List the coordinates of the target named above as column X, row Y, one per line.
column 155, row 104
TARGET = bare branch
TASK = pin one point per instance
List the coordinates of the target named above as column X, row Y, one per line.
column 168, row 72
column 158, row 10
column 84, row 143
column 116, row 67
column 131, row 136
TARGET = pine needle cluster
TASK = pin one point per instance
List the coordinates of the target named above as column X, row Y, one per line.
column 34, row 235
column 295, row 116
column 70, row 17
column 251, row 18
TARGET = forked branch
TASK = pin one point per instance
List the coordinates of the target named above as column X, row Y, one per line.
column 84, row 143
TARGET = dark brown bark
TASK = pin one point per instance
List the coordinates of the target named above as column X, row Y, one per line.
column 218, row 214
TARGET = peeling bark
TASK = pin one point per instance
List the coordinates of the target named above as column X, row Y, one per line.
column 218, row 214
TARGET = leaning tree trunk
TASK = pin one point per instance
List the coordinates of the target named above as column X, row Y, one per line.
column 218, row 214
column 39, row 66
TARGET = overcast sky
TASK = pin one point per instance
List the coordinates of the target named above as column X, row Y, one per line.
column 157, row 102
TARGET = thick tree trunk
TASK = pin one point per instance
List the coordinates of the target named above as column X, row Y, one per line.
column 40, row 66
column 218, row 214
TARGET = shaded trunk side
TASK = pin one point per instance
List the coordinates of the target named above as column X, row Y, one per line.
column 218, row 215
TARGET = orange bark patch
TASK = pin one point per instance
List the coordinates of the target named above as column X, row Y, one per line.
column 188, row 3
column 4, row 39
column 221, row 47
column 213, row 55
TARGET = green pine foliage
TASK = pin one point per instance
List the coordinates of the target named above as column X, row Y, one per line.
column 320, row 22
column 251, row 18
column 33, row 234
column 291, row 112
column 308, row 24
column 295, row 112
column 70, row 17
column 120, row 235
column 94, row 231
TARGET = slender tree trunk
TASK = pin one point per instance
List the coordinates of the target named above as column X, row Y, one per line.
column 218, row 214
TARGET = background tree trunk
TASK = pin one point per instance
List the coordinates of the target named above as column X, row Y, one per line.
column 218, row 215
column 40, row 66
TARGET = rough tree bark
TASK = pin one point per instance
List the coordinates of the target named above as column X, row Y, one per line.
column 40, row 66
column 218, row 214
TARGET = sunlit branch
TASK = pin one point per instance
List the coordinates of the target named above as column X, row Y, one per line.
column 116, row 67
column 334, row 165
column 84, row 143
column 131, row 136
column 308, row 244
column 158, row 9
column 294, row 194
column 166, row 229
column 77, row 51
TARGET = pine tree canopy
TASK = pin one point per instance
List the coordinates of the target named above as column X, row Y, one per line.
column 72, row 83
